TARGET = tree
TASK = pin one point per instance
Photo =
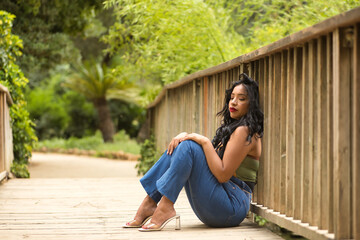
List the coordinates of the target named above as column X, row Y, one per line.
column 97, row 83
column 167, row 40
column 262, row 22
column 50, row 31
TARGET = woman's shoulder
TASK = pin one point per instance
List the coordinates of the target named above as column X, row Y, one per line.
column 241, row 132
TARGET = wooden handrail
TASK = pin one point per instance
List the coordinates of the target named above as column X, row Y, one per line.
column 8, row 96
column 6, row 151
column 309, row 176
column 300, row 37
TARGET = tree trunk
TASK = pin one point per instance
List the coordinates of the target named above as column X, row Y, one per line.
column 106, row 124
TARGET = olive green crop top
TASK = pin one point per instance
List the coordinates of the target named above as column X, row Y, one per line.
column 248, row 169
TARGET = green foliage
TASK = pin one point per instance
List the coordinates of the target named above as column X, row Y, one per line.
column 12, row 77
column 58, row 112
column 47, row 110
column 163, row 41
column 20, row 170
column 98, row 83
column 167, row 40
column 265, row 21
column 82, row 115
column 95, row 80
column 49, row 30
column 260, row 220
column 149, row 155
column 121, row 142
column 128, row 116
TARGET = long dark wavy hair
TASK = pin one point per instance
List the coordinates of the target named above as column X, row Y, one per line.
column 254, row 119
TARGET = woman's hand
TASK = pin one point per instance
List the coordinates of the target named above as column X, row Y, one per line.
column 200, row 139
column 175, row 142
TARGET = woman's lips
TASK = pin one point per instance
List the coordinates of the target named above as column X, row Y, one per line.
column 232, row 109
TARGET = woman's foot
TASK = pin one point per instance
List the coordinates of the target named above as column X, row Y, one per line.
column 164, row 211
column 146, row 209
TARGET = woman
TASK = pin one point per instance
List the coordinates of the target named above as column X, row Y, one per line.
column 218, row 176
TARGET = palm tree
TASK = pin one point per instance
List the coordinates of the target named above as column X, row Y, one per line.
column 97, row 84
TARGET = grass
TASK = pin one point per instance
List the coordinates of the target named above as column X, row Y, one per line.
column 122, row 142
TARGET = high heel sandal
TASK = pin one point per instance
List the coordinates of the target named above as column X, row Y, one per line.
column 149, row 228
column 127, row 225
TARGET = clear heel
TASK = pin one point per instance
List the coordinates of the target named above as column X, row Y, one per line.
column 129, row 224
column 152, row 226
column 178, row 224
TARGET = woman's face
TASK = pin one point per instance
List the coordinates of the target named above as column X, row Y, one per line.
column 239, row 102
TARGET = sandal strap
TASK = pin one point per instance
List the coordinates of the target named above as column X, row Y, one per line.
column 150, row 226
column 129, row 223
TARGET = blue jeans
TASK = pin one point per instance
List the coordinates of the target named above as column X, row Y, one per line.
column 215, row 204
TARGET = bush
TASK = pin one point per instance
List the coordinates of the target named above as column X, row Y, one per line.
column 149, row 155
column 12, row 77
column 58, row 112
column 20, row 170
column 122, row 142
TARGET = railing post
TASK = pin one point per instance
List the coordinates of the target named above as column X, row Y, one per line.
column 6, row 147
column 356, row 134
column 342, row 135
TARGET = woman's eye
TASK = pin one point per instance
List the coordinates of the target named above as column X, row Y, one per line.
column 242, row 99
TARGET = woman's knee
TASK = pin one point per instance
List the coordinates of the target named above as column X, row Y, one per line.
column 191, row 145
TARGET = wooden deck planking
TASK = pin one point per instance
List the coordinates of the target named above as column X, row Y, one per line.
column 95, row 209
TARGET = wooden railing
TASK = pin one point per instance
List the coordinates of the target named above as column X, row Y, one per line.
column 309, row 179
column 6, row 146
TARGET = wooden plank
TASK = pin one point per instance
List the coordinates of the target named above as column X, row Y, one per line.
column 356, row 133
column 306, row 89
column 274, row 163
column 5, row 90
column 3, row 175
column 329, row 133
column 261, row 81
column 215, row 99
column 96, row 216
column 2, row 131
column 276, row 167
column 206, row 105
column 283, row 126
column 290, row 135
column 268, row 125
column 267, row 134
column 201, row 103
column 322, row 202
column 303, row 229
column 342, row 123
column 298, row 133
column 305, row 137
column 310, row 141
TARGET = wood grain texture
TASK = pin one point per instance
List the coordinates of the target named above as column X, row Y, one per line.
column 95, row 209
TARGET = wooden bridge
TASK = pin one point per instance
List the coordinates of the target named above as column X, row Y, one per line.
column 309, row 177
column 310, row 170
column 91, row 208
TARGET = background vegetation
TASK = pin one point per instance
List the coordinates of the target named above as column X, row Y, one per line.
column 122, row 52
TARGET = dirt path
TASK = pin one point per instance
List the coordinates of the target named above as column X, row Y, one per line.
column 49, row 165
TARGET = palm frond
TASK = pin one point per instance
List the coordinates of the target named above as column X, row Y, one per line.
column 94, row 80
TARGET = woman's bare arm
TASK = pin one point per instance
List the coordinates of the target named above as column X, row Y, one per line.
column 236, row 150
